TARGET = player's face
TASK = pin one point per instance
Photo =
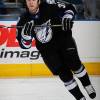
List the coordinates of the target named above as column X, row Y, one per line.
column 33, row 5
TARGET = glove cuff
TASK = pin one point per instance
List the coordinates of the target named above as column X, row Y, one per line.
column 69, row 14
column 26, row 41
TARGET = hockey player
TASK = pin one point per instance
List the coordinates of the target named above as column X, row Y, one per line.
column 50, row 25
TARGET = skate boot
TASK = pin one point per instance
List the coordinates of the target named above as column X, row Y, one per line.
column 83, row 98
column 91, row 91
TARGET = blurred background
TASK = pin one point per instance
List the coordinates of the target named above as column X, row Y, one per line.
column 87, row 9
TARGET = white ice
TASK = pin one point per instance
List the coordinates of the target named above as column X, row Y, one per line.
column 37, row 88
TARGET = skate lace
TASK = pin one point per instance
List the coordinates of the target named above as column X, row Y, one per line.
column 89, row 89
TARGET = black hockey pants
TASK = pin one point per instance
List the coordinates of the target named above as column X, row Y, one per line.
column 62, row 60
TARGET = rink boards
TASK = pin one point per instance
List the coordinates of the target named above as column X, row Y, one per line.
column 18, row 62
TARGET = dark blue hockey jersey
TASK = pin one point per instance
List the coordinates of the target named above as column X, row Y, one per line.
column 47, row 36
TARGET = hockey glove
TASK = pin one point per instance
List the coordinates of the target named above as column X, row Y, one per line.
column 67, row 24
column 26, row 37
column 67, row 21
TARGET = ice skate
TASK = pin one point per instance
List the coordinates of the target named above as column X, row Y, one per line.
column 83, row 98
column 91, row 91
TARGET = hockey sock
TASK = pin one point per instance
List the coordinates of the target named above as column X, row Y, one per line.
column 84, row 78
column 73, row 88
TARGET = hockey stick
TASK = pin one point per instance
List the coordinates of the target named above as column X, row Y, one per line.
column 34, row 26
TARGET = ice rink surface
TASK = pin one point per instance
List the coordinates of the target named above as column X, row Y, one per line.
column 37, row 88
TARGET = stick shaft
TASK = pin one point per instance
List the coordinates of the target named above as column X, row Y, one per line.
column 34, row 26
